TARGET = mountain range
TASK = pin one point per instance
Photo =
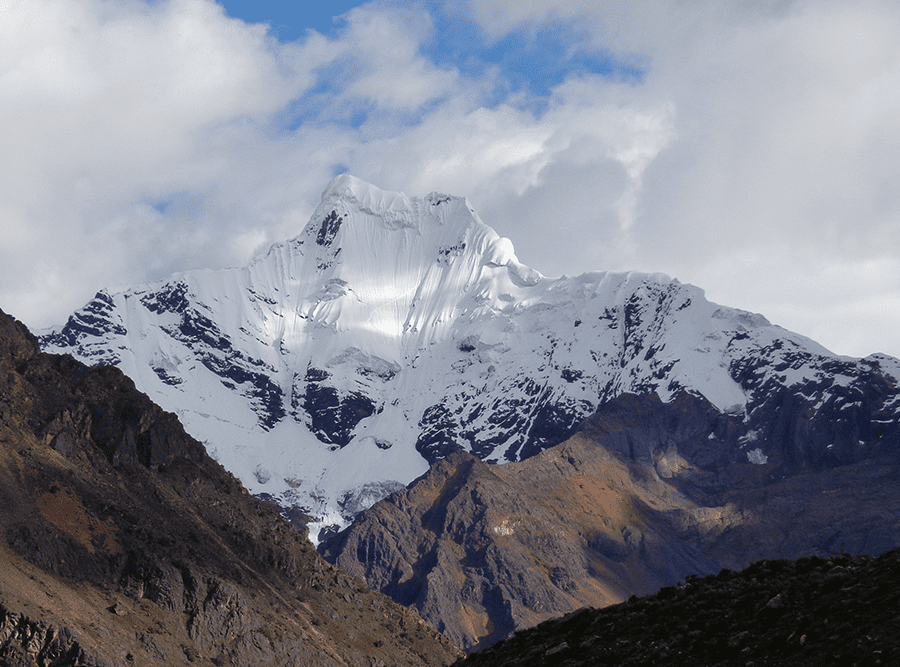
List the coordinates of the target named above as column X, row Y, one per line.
column 394, row 331
column 124, row 543
column 366, row 374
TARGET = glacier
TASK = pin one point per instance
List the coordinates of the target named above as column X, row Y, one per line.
column 393, row 330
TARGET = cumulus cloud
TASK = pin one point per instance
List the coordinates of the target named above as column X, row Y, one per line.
column 750, row 151
column 773, row 193
column 114, row 113
column 392, row 73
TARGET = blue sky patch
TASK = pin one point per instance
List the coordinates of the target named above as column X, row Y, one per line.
column 529, row 63
column 290, row 19
column 532, row 63
column 175, row 203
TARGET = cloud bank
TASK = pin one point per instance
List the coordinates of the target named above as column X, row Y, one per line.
column 747, row 148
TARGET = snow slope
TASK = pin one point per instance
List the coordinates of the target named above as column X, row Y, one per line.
column 394, row 330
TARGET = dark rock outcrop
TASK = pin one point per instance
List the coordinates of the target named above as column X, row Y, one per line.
column 122, row 542
column 24, row 641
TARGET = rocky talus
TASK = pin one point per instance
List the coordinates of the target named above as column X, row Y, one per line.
column 122, row 542
column 643, row 496
column 814, row 611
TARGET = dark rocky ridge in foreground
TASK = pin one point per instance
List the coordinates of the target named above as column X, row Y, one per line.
column 842, row 610
column 644, row 496
column 122, row 542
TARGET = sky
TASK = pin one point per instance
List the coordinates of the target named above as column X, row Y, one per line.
column 749, row 148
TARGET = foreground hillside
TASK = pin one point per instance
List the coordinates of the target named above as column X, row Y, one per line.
column 810, row 612
column 123, row 543
column 639, row 499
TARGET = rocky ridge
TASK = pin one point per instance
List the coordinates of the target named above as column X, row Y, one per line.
column 642, row 497
column 124, row 543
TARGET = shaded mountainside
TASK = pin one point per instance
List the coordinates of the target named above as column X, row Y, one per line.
column 122, row 542
column 814, row 611
column 645, row 495
column 394, row 330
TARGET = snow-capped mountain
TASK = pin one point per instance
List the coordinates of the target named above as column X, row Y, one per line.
column 394, row 330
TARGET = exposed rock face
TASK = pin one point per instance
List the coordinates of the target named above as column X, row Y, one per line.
column 27, row 642
column 648, row 493
column 122, row 542
column 810, row 612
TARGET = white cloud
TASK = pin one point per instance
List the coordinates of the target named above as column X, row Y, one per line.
column 390, row 72
column 788, row 139
column 503, row 157
column 108, row 106
column 755, row 157
column 774, row 191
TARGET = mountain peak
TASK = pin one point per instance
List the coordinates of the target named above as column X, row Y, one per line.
column 364, row 195
column 396, row 269
column 346, row 194
column 445, row 224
